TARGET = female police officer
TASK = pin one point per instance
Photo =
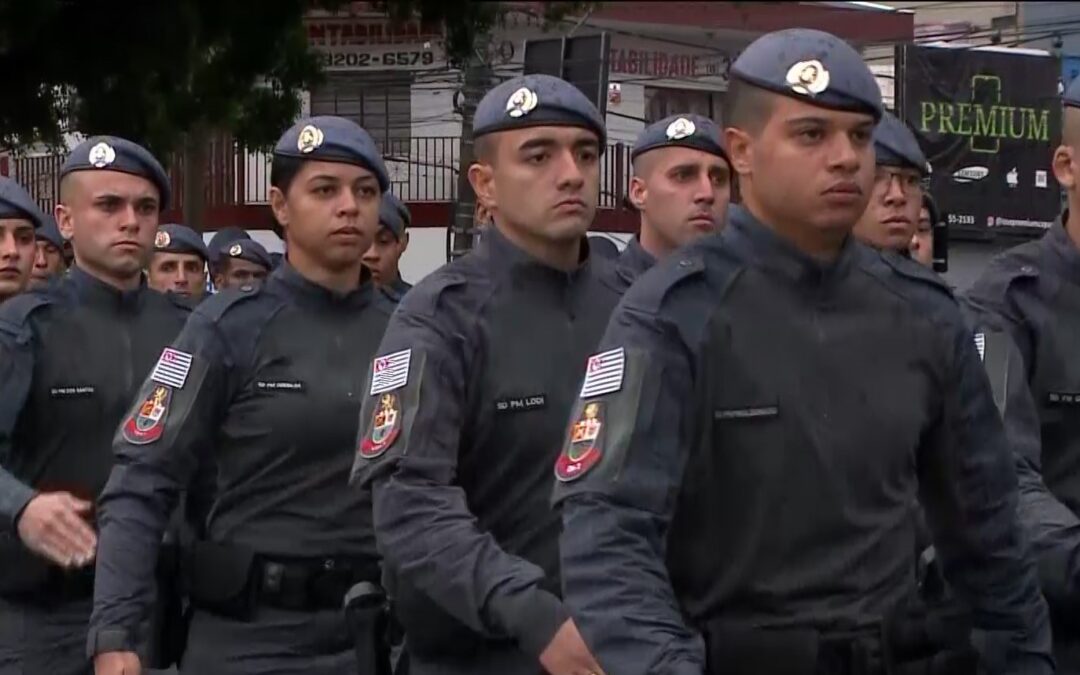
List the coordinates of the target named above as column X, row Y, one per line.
column 270, row 379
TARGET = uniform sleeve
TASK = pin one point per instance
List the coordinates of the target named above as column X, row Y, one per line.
column 177, row 411
column 1052, row 527
column 968, row 486
column 16, row 369
column 616, row 513
column 423, row 525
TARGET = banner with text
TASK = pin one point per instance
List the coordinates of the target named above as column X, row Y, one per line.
column 989, row 122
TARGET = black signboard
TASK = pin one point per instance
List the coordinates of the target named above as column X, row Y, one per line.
column 582, row 61
column 989, row 122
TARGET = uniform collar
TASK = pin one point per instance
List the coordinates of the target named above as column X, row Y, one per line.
column 286, row 277
column 633, row 261
column 504, row 254
column 1063, row 250
column 758, row 244
column 90, row 288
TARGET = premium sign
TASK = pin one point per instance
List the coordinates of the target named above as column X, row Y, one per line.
column 988, row 121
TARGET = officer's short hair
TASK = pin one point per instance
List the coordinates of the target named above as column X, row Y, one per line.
column 747, row 107
column 283, row 170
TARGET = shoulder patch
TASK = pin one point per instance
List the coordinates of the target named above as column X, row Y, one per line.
column 910, row 269
column 219, row 304
column 655, row 284
column 15, row 312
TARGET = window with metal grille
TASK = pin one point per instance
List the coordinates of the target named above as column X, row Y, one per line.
column 381, row 102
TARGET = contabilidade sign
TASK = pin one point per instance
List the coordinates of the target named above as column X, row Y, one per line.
column 989, row 122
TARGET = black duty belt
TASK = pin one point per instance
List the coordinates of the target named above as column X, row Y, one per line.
column 309, row 584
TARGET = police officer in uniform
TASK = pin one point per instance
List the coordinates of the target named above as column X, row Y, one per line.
column 244, row 262
column 20, row 218
column 681, row 187
column 270, row 380
column 72, row 355
column 49, row 262
column 1033, row 292
column 390, row 243
column 179, row 262
column 891, row 218
column 737, row 481
column 470, row 389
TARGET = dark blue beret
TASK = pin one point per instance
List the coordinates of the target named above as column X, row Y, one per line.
column 173, row 238
column 1072, row 94
column 51, row 233
column 333, row 139
column 111, row 153
column 394, row 215
column 15, row 202
column 812, row 66
column 895, row 145
column 690, row 131
column 536, row 100
column 249, row 250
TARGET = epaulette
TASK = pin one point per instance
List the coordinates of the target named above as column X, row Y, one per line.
column 909, row 269
column 652, row 288
column 15, row 313
column 423, row 298
column 217, row 305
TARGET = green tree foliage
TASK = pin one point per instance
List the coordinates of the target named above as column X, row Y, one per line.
column 151, row 70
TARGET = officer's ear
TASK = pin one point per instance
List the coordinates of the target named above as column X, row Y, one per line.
column 62, row 212
column 280, row 207
column 1065, row 167
column 404, row 241
column 740, row 149
column 637, row 193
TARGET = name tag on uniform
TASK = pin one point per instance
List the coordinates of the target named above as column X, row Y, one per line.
column 748, row 413
column 72, row 391
column 1063, row 398
column 279, row 385
column 521, row 404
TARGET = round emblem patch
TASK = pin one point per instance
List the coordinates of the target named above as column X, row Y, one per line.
column 384, row 429
column 310, row 138
column 235, row 250
column 101, row 155
column 148, row 422
column 583, row 452
column 680, row 129
column 808, row 77
column 521, row 102
column 162, row 239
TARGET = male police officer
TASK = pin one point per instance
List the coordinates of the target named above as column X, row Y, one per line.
column 19, row 219
column 1033, row 291
column 738, row 478
column 179, row 262
column 49, row 260
column 681, row 186
column 473, row 382
column 892, row 216
column 271, row 380
column 390, row 243
column 242, row 263
column 71, row 357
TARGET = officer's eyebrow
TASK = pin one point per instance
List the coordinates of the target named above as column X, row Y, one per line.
column 541, row 143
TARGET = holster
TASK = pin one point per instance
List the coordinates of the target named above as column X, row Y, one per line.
column 368, row 616
column 222, row 579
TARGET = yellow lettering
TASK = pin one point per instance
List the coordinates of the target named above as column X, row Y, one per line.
column 927, row 113
column 985, row 122
column 1038, row 124
column 947, row 112
column 964, row 121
